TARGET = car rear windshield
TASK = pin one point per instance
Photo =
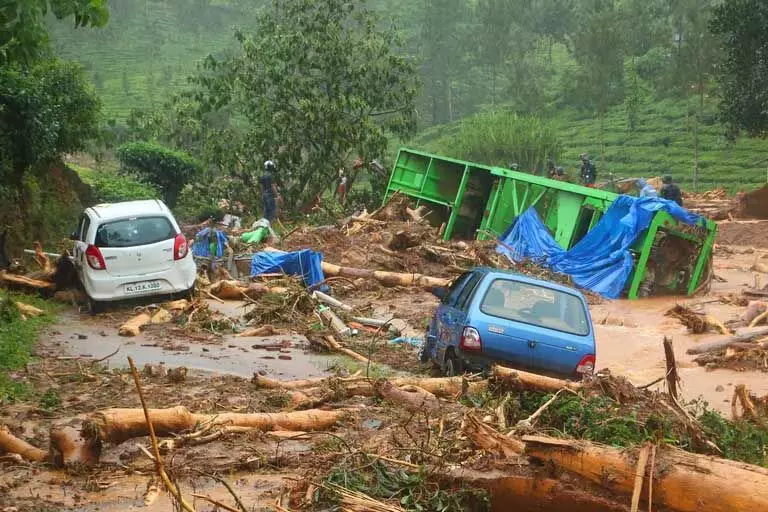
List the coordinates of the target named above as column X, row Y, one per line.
column 134, row 232
column 536, row 305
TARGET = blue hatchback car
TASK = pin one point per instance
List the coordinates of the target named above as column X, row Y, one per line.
column 490, row 315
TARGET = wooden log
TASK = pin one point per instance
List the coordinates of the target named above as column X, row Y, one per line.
column 29, row 311
column 683, row 482
column 490, row 439
column 259, row 332
column 118, row 425
column 25, row 282
column 385, row 278
column 672, row 378
column 71, row 445
column 527, row 380
column 412, row 398
column 723, row 344
column 12, row 444
column 133, row 326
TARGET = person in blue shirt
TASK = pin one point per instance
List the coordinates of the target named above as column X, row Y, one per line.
column 270, row 194
column 646, row 189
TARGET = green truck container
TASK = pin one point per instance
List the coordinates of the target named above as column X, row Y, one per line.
column 481, row 201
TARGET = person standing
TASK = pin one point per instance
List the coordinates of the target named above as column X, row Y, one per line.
column 588, row 172
column 270, row 194
column 341, row 190
column 670, row 190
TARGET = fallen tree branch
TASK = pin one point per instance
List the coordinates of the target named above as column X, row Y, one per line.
column 723, row 344
column 336, row 346
column 12, row 444
column 172, row 489
column 385, row 278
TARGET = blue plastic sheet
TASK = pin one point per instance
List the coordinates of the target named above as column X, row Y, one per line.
column 601, row 261
column 305, row 263
column 201, row 247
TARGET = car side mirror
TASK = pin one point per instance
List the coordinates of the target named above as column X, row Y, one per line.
column 440, row 292
column 73, row 236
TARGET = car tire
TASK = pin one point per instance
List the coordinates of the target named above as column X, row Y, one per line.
column 94, row 307
column 452, row 367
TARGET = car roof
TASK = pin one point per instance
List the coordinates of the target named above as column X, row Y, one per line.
column 109, row 211
column 497, row 272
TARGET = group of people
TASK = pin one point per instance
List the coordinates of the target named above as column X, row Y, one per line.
column 588, row 175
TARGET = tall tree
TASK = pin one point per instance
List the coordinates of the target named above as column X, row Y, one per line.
column 317, row 81
column 443, row 37
column 495, row 19
column 741, row 26
column 597, row 44
column 694, row 60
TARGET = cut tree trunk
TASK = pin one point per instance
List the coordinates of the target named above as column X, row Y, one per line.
column 672, row 377
column 489, row 439
column 12, row 444
column 412, row 398
column 723, row 344
column 518, row 378
column 25, row 282
column 385, row 278
column 682, row 481
column 119, row 425
column 133, row 326
column 443, row 387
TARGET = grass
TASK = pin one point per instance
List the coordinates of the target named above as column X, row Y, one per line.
column 661, row 143
column 17, row 338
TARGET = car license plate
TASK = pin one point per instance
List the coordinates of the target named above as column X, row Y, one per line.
column 146, row 286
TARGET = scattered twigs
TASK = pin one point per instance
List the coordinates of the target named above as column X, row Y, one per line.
column 172, row 489
column 100, row 360
column 229, row 488
column 217, row 503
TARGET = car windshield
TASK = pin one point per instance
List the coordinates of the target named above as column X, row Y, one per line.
column 535, row 305
column 134, row 232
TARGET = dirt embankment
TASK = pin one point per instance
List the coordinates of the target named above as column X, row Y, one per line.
column 752, row 233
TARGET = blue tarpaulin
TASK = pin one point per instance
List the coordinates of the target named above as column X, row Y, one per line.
column 305, row 263
column 202, row 245
column 601, row 261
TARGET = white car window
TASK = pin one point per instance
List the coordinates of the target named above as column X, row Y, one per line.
column 134, row 232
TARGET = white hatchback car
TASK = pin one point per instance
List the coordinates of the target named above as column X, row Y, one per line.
column 131, row 249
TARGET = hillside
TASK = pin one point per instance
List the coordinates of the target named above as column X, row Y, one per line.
column 150, row 47
column 661, row 143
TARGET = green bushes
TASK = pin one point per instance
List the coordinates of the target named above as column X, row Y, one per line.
column 169, row 170
column 110, row 187
column 502, row 138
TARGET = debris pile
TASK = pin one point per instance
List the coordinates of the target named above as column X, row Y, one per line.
column 398, row 443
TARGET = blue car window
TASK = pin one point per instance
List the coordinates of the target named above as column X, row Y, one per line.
column 467, row 291
column 455, row 289
column 536, row 305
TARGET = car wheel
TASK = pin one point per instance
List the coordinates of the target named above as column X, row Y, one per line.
column 452, row 366
column 94, row 307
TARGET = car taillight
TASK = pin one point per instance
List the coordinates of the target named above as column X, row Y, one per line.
column 180, row 247
column 470, row 339
column 587, row 365
column 94, row 258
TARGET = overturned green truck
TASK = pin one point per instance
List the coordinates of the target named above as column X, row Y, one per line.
column 472, row 200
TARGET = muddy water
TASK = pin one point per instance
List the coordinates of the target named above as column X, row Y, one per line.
column 630, row 334
column 285, row 357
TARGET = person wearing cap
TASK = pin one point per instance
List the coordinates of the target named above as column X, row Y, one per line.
column 588, row 172
column 270, row 195
column 670, row 190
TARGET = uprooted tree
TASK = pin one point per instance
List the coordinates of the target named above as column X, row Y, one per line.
column 316, row 83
